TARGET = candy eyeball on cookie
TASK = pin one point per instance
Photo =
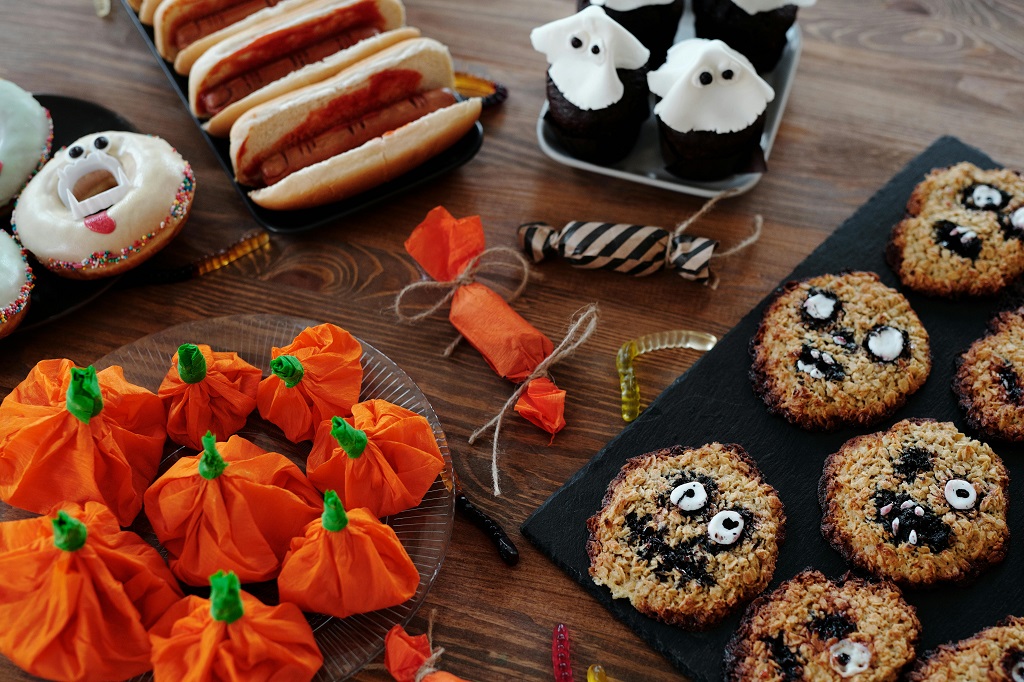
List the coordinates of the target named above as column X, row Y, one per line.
column 104, row 204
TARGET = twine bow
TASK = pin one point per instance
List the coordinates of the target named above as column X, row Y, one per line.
column 583, row 325
column 758, row 224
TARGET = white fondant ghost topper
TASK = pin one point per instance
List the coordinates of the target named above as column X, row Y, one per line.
column 584, row 51
column 706, row 85
column 758, row 6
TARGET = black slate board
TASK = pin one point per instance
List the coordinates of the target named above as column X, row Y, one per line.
column 714, row 401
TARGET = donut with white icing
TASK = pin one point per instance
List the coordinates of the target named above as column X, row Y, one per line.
column 16, row 282
column 26, row 133
column 105, row 204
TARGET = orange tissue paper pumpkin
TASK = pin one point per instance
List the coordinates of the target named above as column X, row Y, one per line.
column 384, row 458
column 77, row 595
column 315, row 377
column 207, row 390
column 410, row 659
column 234, row 507
column 233, row 637
column 346, row 564
column 73, row 435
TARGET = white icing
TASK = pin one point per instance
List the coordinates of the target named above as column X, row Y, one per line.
column 13, row 270
column 24, row 130
column 960, row 502
column 719, row 533
column 627, row 5
column 1017, row 219
column 884, row 511
column 722, row 104
column 984, row 196
column 50, row 230
column 912, row 538
column 689, row 496
column 965, row 234
column 886, row 343
column 849, row 658
column 895, row 526
column 585, row 77
column 907, row 504
column 1017, row 671
column 758, row 6
column 820, row 306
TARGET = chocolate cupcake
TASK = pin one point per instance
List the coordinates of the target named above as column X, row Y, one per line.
column 712, row 111
column 597, row 97
column 653, row 22
column 757, row 28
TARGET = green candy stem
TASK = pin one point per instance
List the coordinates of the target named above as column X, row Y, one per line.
column 334, row 517
column 351, row 439
column 225, row 597
column 288, row 369
column 191, row 363
column 211, row 464
column 68, row 532
column 83, row 396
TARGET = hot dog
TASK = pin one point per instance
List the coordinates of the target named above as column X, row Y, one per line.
column 237, row 67
column 368, row 124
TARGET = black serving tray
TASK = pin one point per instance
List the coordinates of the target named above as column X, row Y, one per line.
column 308, row 218
column 714, row 401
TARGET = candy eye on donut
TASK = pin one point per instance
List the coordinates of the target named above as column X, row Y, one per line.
column 960, row 494
column 690, row 496
column 76, row 151
column 101, row 142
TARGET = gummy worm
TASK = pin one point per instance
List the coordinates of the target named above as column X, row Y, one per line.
column 677, row 338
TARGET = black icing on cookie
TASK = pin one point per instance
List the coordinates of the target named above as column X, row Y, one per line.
column 844, row 338
column 980, row 197
column 961, row 240
column 908, row 521
column 1013, row 224
column 663, row 558
column 788, row 661
column 1011, row 383
column 832, row 625
column 912, row 462
column 819, row 364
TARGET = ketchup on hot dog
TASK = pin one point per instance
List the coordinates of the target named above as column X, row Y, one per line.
column 203, row 25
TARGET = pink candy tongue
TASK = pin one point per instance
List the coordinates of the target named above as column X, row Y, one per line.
column 100, row 223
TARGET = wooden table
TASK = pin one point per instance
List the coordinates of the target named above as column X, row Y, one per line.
column 878, row 81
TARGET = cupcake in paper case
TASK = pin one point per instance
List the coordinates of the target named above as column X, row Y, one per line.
column 712, row 110
column 757, row 28
column 653, row 22
column 597, row 97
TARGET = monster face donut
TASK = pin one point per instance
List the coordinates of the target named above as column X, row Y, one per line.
column 26, row 133
column 687, row 535
column 105, row 204
column 16, row 283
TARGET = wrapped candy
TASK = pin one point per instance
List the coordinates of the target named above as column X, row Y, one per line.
column 384, row 458
column 411, row 659
column 207, row 390
column 75, row 435
column 233, row 637
column 77, row 595
column 345, row 564
column 315, row 377
column 234, row 506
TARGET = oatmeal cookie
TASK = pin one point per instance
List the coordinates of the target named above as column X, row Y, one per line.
column 812, row 628
column 838, row 350
column 989, row 378
column 919, row 504
column 996, row 653
column 687, row 534
column 963, row 233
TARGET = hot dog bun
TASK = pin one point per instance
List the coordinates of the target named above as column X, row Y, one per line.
column 262, row 131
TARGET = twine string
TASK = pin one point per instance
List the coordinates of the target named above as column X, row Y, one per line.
column 581, row 328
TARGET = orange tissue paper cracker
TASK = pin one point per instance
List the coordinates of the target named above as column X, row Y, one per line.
column 233, row 637
column 77, row 595
column 384, row 457
column 346, row 564
column 316, row 377
column 233, row 506
column 207, row 390
column 73, row 435
column 410, row 658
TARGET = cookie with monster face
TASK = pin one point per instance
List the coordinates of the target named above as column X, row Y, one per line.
column 811, row 628
column 919, row 504
column 687, row 534
column 989, row 379
column 996, row 653
column 838, row 350
column 963, row 233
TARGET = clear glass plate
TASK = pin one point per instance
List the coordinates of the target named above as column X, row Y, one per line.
column 425, row 531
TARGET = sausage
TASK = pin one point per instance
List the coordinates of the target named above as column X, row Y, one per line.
column 352, row 134
column 200, row 27
column 219, row 97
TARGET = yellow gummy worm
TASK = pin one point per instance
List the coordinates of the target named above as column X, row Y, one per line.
column 595, row 673
column 677, row 338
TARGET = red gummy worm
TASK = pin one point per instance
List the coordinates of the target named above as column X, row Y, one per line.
column 560, row 654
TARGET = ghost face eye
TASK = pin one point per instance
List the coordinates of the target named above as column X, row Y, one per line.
column 960, row 494
column 576, row 42
column 849, row 658
column 690, row 496
column 725, row 528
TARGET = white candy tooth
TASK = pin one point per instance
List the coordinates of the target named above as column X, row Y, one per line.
column 919, row 511
column 895, row 526
column 884, row 511
column 913, row 537
column 907, row 504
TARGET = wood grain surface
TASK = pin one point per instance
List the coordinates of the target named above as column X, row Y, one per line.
column 878, row 81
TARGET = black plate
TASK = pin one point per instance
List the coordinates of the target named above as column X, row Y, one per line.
column 308, row 218
column 714, row 401
column 55, row 296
